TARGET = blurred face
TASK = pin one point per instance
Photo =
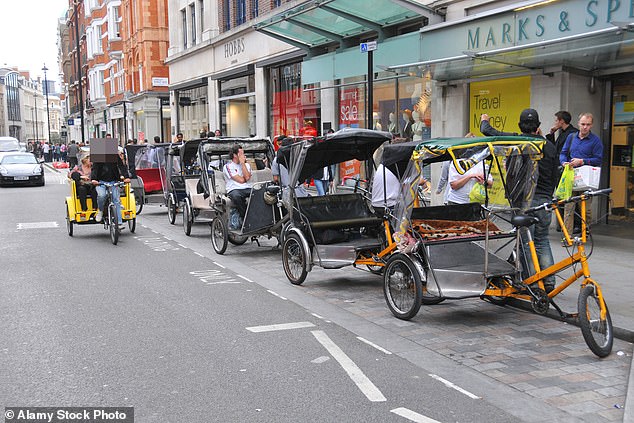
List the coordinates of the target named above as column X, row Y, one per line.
column 179, row 137
column 585, row 125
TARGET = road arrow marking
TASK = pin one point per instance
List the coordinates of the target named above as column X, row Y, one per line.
column 281, row 326
column 412, row 415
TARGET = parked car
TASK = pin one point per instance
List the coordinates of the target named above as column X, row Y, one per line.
column 9, row 144
column 18, row 168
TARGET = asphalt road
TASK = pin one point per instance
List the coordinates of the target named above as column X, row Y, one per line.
column 162, row 324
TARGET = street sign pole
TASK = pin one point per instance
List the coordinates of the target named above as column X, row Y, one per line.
column 369, row 48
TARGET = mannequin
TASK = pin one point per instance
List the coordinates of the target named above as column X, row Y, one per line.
column 377, row 122
column 407, row 131
column 418, row 127
column 392, row 127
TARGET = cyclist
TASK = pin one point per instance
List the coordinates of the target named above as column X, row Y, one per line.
column 109, row 172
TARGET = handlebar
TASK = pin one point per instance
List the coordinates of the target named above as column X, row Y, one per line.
column 112, row 184
column 574, row 199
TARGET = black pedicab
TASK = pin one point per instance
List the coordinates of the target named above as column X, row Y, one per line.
column 264, row 213
column 147, row 164
column 337, row 230
column 483, row 248
column 181, row 165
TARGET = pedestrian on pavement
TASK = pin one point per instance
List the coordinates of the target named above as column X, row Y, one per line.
column 63, row 149
column 581, row 148
column 72, row 153
column 46, row 151
column 157, row 139
column 546, row 182
column 562, row 124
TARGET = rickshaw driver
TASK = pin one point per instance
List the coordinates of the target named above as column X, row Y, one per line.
column 111, row 171
column 237, row 175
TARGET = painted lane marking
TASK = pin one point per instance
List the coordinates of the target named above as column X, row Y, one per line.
column 198, row 254
column 218, row 264
column 413, row 416
column 281, row 326
column 181, row 245
column 361, row 380
column 37, row 225
column 454, row 386
column 214, row 277
column 321, row 317
column 158, row 244
column 372, row 344
column 276, row 294
column 246, row 279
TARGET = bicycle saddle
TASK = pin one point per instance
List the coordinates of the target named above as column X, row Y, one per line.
column 273, row 189
column 523, row 220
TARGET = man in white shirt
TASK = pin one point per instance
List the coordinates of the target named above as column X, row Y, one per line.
column 385, row 189
column 461, row 185
column 237, row 175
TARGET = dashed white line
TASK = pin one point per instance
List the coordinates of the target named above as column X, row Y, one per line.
column 321, row 317
column 276, row 294
column 218, row 264
column 358, row 377
column 412, row 415
column 454, row 386
column 281, row 326
column 246, row 279
column 181, row 245
column 198, row 254
column 372, row 344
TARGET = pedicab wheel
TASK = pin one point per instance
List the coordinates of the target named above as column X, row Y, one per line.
column 499, row 283
column 138, row 199
column 69, row 223
column 597, row 332
column 188, row 217
column 236, row 239
column 294, row 259
column 402, row 287
column 376, row 270
column 219, row 235
column 171, row 209
column 112, row 223
column 132, row 225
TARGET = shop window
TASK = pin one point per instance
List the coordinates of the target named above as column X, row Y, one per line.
column 192, row 111
column 237, row 113
column 241, row 12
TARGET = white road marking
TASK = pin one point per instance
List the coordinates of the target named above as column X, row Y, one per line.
column 361, row 380
column 372, row 344
column 198, row 254
column 219, row 265
column 213, row 277
column 38, row 225
column 281, row 326
column 413, row 416
column 454, row 386
column 276, row 294
column 181, row 245
column 246, row 279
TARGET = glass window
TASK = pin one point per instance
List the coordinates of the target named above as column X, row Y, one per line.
column 622, row 148
column 227, row 10
column 237, row 106
column 241, row 12
column 192, row 111
column 192, row 10
column 201, row 12
column 184, row 27
column 255, row 12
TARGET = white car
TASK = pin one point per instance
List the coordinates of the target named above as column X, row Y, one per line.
column 18, row 168
column 9, row 144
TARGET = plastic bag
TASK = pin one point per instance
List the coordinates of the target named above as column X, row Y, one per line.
column 564, row 189
column 477, row 193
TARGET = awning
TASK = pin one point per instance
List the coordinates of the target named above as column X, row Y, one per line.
column 320, row 23
column 596, row 53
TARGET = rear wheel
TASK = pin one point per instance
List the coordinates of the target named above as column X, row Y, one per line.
column 132, row 225
column 188, row 217
column 69, row 223
column 112, row 222
column 171, row 209
column 138, row 199
column 219, row 235
column 500, row 283
column 597, row 332
column 294, row 259
column 402, row 287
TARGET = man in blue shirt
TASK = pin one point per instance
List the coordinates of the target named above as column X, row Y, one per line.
column 581, row 148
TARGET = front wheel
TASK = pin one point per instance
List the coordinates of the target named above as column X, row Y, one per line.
column 171, row 209
column 69, row 223
column 139, row 200
column 294, row 259
column 132, row 225
column 236, row 239
column 188, row 218
column 112, row 222
column 597, row 332
column 219, row 235
column 402, row 287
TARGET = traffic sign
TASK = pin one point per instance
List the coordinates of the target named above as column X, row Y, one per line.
column 71, row 121
column 369, row 46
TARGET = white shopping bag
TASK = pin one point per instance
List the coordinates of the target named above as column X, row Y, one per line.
column 586, row 177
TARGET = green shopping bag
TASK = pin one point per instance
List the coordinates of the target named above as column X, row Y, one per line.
column 564, row 189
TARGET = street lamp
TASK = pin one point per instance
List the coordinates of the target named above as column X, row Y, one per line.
column 48, row 116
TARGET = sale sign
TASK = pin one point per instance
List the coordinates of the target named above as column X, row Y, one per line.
column 349, row 108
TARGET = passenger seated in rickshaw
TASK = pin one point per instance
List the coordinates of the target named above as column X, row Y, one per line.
column 237, row 174
column 81, row 175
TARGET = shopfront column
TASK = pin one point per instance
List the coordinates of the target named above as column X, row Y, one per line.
column 261, row 101
column 329, row 112
column 212, row 104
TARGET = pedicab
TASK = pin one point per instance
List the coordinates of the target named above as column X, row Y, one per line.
column 484, row 248
column 335, row 230
column 180, row 166
column 264, row 213
column 148, row 174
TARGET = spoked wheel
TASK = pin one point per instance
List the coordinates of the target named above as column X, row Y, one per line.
column 376, row 270
column 171, row 208
column 236, row 239
column 112, row 222
column 597, row 332
column 294, row 259
column 402, row 287
column 219, row 235
column 69, row 223
column 188, row 217
column 132, row 225
column 500, row 283
column 138, row 199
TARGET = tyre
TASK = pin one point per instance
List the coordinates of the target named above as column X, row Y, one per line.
column 138, row 199
column 132, row 225
column 188, row 217
column 219, row 235
column 376, row 270
column 112, row 223
column 596, row 332
column 171, row 209
column 236, row 239
column 295, row 259
column 69, row 223
column 402, row 287
column 500, row 283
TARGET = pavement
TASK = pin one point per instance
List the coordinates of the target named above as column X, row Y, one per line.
column 545, row 359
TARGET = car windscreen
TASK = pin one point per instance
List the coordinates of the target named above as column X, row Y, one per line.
column 9, row 145
column 21, row 159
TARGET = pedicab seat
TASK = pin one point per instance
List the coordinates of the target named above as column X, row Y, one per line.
column 198, row 200
column 337, row 211
column 151, row 179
